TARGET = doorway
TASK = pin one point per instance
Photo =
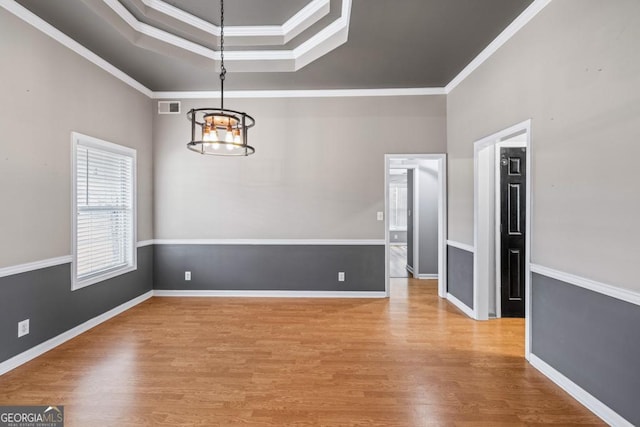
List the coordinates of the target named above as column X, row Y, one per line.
column 400, row 216
column 425, row 218
column 502, row 224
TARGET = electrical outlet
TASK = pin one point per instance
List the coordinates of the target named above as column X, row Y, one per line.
column 341, row 276
column 187, row 275
column 23, row 328
column 380, row 216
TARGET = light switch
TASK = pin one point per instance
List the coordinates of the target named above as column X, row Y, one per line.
column 380, row 216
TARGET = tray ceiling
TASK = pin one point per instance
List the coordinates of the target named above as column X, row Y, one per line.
column 172, row 45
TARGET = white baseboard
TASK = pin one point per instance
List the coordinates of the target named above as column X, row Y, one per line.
column 54, row 342
column 462, row 306
column 607, row 414
column 427, row 276
column 269, row 294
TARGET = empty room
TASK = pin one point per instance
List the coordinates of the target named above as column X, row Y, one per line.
column 319, row 212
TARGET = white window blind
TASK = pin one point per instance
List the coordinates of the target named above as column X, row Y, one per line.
column 104, row 217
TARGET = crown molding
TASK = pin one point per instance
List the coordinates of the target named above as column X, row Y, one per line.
column 48, row 29
column 523, row 19
column 320, row 93
column 35, row 21
column 237, row 35
column 152, row 38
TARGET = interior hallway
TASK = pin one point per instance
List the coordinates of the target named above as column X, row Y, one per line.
column 411, row 360
column 398, row 261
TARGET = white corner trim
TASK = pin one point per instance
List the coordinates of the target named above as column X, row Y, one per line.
column 144, row 243
column 427, row 276
column 523, row 19
column 268, row 242
column 35, row 21
column 462, row 246
column 269, row 294
column 36, row 265
column 303, row 19
column 324, row 41
column 632, row 297
column 462, row 306
column 327, row 93
column 607, row 414
column 54, row 342
column 409, row 268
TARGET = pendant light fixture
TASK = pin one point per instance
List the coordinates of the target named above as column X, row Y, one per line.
column 220, row 131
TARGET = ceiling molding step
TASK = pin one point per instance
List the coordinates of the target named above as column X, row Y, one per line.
column 320, row 93
column 326, row 40
column 523, row 19
column 46, row 28
column 309, row 15
column 258, row 35
column 151, row 38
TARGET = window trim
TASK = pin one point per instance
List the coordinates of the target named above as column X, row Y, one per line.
column 78, row 139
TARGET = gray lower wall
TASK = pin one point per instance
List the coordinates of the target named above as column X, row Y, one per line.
column 460, row 274
column 44, row 296
column 396, row 236
column 270, row 267
column 592, row 339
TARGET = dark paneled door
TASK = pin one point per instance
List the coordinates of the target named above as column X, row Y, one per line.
column 512, row 230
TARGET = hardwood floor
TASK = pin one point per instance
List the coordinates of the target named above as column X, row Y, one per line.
column 411, row 360
column 398, row 261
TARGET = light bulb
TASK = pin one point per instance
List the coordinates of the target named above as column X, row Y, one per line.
column 215, row 145
column 229, row 136
column 236, row 137
column 206, row 133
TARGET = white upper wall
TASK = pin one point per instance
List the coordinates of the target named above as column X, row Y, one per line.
column 575, row 71
column 48, row 91
column 318, row 171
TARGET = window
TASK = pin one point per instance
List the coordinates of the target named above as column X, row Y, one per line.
column 398, row 206
column 104, row 217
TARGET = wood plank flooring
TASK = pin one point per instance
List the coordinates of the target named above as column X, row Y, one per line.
column 411, row 360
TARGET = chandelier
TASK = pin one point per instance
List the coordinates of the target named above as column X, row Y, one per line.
column 220, row 131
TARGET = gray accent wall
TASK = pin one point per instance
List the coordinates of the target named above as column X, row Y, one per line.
column 592, row 339
column 45, row 297
column 428, row 213
column 269, row 267
column 460, row 274
column 48, row 91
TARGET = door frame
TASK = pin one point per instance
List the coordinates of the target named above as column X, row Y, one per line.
column 442, row 218
column 498, row 234
column 482, row 219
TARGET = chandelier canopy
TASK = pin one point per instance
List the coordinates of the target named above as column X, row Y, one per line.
column 220, row 131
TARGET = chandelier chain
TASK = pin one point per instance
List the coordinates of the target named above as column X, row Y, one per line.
column 223, row 70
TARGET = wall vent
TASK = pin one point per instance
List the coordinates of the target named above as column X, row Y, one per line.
column 168, row 107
